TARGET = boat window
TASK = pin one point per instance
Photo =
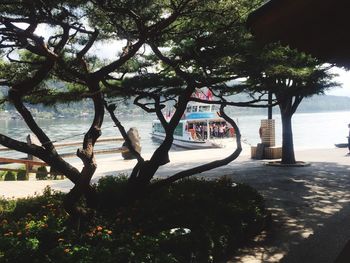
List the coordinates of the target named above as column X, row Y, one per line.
column 179, row 129
column 158, row 127
column 188, row 109
column 204, row 108
column 194, row 109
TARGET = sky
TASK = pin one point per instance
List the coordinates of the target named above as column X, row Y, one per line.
column 344, row 79
column 112, row 48
column 109, row 49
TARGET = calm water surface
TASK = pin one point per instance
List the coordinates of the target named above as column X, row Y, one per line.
column 311, row 130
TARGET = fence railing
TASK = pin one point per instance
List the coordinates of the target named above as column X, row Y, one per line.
column 30, row 165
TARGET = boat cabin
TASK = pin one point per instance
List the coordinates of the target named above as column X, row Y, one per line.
column 200, row 123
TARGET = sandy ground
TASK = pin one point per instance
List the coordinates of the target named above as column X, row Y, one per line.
column 310, row 205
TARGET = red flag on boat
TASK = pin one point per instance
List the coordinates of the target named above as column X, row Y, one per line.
column 209, row 95
column 203, row 95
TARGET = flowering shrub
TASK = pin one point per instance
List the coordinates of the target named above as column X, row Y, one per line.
column 193, row 220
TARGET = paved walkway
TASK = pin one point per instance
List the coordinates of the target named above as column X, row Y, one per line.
column 310, row 206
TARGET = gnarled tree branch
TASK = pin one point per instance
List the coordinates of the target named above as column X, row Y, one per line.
column 207, row 166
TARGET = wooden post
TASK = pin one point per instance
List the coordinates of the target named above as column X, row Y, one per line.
column 32, row 139
column 267, row 132
column 27, row 170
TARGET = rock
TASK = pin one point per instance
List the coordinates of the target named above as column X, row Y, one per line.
column 134, row 137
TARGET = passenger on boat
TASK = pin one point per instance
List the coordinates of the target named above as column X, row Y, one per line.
column 221, row 131
column 193, row 134
column 211, row 131
column 205, row 132
column 216, row 130
column 232, row 132
column 200, row 132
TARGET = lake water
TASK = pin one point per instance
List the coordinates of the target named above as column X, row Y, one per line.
column 311, row 130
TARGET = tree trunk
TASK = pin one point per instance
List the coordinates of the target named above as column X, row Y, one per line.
column 288, row 156
column 86, row 154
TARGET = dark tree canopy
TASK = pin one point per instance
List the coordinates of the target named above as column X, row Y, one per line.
column 64, row 56
column 32, row 62
column 170, row 49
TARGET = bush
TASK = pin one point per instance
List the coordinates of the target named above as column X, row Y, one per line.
column 2, row 175
column 41, row 173
column 191, row 221
column 10, row 176
column 221, row 215
column 111, row 191
column 22, row 175
column 55, row 175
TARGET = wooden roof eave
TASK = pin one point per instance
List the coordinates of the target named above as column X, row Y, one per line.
column 318, row 27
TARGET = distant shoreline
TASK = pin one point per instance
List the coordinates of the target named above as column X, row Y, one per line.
column 112, row 165
column 314, row 104
column 13, row 116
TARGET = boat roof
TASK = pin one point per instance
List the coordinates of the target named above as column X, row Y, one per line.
column 199, row 120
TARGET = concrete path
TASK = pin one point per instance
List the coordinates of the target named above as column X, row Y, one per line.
column 310, row 206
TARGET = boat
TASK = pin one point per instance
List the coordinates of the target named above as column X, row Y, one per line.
column 341, row 145
column 200, row 127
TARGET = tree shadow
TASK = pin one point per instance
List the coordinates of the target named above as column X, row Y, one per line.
column 309, row 207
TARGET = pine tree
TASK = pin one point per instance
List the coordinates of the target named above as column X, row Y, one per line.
column 290, row 76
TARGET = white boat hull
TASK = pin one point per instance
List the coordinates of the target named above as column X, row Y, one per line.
column 215, row 143
column 198, row 123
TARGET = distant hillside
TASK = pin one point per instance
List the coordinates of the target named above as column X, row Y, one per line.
column 325, row 103
column 78, row 109
column 317, row 103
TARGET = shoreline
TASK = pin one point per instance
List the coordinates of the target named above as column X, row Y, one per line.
column 310, row 130
column 114, row 165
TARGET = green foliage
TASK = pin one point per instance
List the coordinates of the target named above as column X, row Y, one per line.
column 289, row 76
column 10, row 176
column 287, row 73
column 2, row 175
column 193, row 220
column 7, row 205
column 25, row 227
column 219, row 214
column 111, row 190
column 41, row 173
column 22, row 175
